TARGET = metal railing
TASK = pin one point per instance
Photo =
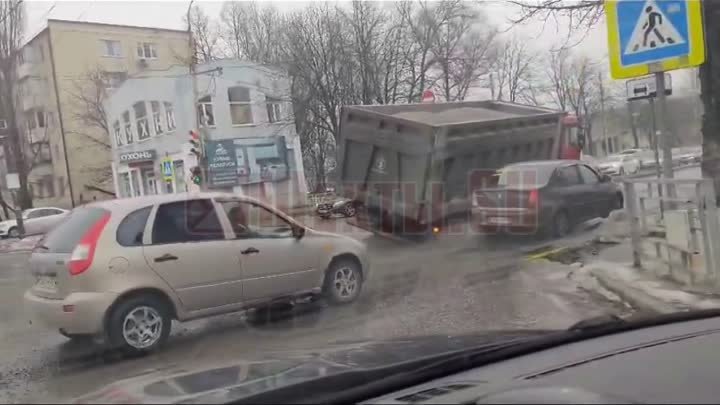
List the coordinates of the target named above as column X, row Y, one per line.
column 690, row 215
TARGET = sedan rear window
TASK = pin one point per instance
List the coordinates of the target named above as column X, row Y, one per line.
column 522, row 176
column 64, row 237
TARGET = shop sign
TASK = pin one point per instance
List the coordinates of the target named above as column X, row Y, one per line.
column 142, row 156
column 222, row 163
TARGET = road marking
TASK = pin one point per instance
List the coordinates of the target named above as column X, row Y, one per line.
column 545, row 254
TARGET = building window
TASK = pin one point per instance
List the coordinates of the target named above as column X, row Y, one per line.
column 117, row 133
column 274, row 109
column 205, row 112
column 49, row 185
column 179, row 171
column 128, row 127
column 146, row 50
column 40, row 114
column 169, row 116
column 141, row 120
column 156, row 114
column 125, row 190
column 110, row 48
column 30, row 119
column 3, row 124
column 240, row 110
column 61, row 186
column 41, row 152
column 113, row 80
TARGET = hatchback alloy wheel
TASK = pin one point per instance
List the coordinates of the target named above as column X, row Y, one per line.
column 343, row 281
column 346, row 282
column 142, row 327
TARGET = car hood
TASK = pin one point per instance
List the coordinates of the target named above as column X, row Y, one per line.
column 229, row 381
column 8, row 223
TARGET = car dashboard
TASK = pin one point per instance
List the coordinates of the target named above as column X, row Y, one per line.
column 669, row 364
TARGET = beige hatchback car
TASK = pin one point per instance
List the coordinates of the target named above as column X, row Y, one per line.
column 124, row 269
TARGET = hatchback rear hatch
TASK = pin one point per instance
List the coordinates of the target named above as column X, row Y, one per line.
column 66, row 249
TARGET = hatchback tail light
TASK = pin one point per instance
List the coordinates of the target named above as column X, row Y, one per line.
column 533, row 198
column 82, row 256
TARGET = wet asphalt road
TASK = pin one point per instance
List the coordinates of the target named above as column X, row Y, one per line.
column 456, row 285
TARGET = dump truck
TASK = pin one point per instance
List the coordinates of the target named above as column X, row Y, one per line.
column 411, row 168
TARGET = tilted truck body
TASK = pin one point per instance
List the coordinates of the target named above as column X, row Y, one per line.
column 413, row 166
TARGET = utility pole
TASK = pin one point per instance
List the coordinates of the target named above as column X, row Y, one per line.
column 195, row 96
column 633, row 124
column 602, row 111
column 664, row 134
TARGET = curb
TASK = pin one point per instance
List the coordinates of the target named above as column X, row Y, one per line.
column 636, row 298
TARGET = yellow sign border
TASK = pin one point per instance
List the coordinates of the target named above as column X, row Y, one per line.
column 697, row 44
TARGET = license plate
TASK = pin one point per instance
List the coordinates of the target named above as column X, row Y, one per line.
column 46, row 283
column 499, row 220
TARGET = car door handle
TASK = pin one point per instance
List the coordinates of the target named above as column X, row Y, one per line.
column 165, row 258
column 249, row 251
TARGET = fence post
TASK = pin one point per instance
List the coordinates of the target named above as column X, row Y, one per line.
column 711, row 228
column 630, row 201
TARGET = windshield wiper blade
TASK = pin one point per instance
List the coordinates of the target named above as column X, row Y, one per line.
column 354, row 385
column 601, row 321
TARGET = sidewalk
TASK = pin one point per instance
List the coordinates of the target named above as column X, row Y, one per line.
column 19, row 245
column 641, row 288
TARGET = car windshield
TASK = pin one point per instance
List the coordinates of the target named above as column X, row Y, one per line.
column 222, row 197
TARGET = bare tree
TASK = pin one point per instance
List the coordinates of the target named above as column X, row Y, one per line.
column 205, row 34
column 251, row 31
column 87, row 96
column 11, row 32
column 514, row 72
column 463, row 54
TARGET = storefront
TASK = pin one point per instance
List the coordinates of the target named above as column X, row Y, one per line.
column 142, row 173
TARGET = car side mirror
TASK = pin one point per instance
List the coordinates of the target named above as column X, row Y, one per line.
column 298, row 232
column 605, row 178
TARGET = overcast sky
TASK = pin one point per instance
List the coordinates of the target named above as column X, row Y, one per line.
column 169, row 14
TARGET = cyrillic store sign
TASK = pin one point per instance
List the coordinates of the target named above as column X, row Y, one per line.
column 141, row 156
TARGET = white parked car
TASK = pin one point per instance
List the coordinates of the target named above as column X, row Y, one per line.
column 35, row 221
column 619, row 165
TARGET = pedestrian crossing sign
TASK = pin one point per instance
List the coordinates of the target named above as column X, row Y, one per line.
column 648, row 36
column 167, row 169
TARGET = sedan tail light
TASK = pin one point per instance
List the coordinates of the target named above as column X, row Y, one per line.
column 83, row 254
column 533, row 198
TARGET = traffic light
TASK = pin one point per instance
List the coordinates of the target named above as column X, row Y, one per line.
column 196, row 175
column 195, row 144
